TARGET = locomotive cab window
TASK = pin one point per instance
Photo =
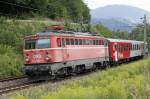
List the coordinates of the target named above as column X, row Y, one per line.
column 43, row 43
column 30, row 44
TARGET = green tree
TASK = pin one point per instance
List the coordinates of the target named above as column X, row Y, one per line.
column 138, row 33
column 102, row 30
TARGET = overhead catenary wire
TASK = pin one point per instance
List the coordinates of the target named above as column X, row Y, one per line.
column 18, row 5
column 22, row 6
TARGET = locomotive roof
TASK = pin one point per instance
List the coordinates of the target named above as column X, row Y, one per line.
column 67, row 33
column 122, row 40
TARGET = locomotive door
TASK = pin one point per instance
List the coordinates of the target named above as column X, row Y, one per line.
column 115, row 51
column 64, row 49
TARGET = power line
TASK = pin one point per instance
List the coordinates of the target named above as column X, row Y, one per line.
column 5, row 14
column 19, row 5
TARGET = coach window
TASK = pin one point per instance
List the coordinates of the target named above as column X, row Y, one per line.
column 127, row 47
column 132, row 47
column 136, row 46
column 67, row 42
column 139, row 47
column 115, row 47
column 120, row 48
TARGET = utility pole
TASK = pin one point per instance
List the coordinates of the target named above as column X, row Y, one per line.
column 145, row 26
column 145, row 32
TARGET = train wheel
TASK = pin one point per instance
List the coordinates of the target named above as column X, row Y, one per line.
column 94, row 67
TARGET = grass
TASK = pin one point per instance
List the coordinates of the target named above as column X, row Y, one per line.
column 131, row 81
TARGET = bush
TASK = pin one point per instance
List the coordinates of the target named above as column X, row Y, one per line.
column 10, row 62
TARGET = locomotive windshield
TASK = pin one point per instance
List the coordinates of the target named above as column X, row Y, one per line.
column 37, row 44
column 30, row 44
column 43, row 43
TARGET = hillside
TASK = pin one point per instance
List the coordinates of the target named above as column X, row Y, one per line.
column 125, row 82
column 117, row 16
column 53, row 9
column 114, row 24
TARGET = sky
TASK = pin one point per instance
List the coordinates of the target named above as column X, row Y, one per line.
column 143, row 4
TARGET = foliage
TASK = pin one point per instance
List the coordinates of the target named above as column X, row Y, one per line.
column 10, row 62
column 121, row 35
column 102, row 30
column 11, row 44
column 138, row 33
column 54, row 9
column 125, row 82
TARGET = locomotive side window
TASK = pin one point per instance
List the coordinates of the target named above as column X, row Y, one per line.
column 72, row 41
column 84, row 42
column 102, row 42
column 43, row 43
column 94, row 42
column 80, row 42
column 59, row 42
column 76, row 41
column 67, row 42
column 106, row 44
column 63, row 42
column 30, row 44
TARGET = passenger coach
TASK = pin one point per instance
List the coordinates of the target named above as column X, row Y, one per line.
column 125, row 50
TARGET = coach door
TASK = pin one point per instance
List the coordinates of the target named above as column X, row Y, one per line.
column 115, row 51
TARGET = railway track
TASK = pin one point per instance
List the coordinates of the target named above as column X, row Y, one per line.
column 18, row 83
column 10, row 84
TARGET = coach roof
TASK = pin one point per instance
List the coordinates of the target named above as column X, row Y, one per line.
column 121, row 40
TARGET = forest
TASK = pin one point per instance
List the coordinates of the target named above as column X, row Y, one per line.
column 73, row 10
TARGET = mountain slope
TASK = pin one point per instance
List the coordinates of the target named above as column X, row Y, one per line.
column 117, row 16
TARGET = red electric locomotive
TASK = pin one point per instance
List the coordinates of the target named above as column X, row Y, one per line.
column 58, row 52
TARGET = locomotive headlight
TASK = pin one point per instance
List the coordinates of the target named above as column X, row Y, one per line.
column 27, row 59
column 47, row 57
